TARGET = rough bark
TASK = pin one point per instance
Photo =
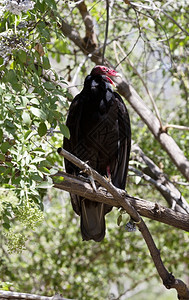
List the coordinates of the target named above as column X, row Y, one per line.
column 168, row 279
column 153, row 211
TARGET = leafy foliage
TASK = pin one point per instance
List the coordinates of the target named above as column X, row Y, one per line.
column 30, row 110
column 56, row 260
column 35, row 59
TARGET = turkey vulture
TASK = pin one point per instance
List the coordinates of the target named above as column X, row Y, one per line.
column 100, row 134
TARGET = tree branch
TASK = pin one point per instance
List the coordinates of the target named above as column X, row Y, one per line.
column 166, row 141
column 90, row 38
column 106, row 31
column 180, row 127
column 153, row 211
column 171, row 194
column 127, row 91
column 168, row 279
column 26, row 296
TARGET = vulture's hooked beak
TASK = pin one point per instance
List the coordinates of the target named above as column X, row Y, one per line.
column 112, row 76
column 118, row 75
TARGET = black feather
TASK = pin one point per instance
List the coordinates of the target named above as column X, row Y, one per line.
column 100, row 134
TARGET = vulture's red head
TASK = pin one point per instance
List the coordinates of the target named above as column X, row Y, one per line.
column 102, row 70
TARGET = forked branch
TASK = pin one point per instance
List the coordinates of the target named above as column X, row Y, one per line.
column 168, row 279
column 129, row 93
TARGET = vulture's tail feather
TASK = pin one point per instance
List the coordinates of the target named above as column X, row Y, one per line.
column 92, row 220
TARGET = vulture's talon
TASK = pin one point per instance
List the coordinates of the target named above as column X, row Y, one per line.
column 93, row 183
column 108, row 179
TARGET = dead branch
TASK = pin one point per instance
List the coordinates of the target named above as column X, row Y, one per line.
column 26, row 296
column 179, row 127
column 171, row 194
column 166, row 141
column 101, row 180
column 127, row 91
column 90, row 38
column 143, row 82
column 168, row 279
column 153, row 211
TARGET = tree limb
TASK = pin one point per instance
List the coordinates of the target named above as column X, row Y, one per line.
column 128, row 92
column 106, row 30
column 90, row 38
column 153, row 211
column 26, row 296
column 166, row 141
column 168, row 279
column 171, row 194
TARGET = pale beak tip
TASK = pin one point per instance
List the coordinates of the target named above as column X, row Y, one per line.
column 118, row 75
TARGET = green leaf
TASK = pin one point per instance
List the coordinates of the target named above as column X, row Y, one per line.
column 42, row 129
column 24, row 101
column 34, row 101
column 38, row 159
column 8, row 186
column 5, row 146
column 53, row 171
column 49, row 85
column 45, row 185
column 28, row 134
column 2, row 157
column 11, row 77
column 38, row 113
column 137, row 179
column 26, row 118
column 64, row 130
column 1, row 135
column 46, row 63
column 38, row 150
column 44, row 170
column 6, row 226
column 22, row 56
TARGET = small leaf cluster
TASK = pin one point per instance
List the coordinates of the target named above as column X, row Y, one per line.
column 26, row 215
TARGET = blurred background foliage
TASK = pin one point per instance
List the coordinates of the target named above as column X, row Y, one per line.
column 41, row 247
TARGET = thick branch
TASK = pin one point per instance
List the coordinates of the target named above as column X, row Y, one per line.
column 168, row 279
column 103, row 182
column 72, row 33
column 171, row 194
column 139, row 106
column 154, row 211
column 90, row 38
column 152, row 122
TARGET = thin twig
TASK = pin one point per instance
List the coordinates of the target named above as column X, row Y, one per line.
column 175, row 22
column 176, row 127
column 79, row 68
column 161, row 187
column 106, row 31
column 168, row 279
column 144, row 84
column 154, row 8
column 128, row 52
